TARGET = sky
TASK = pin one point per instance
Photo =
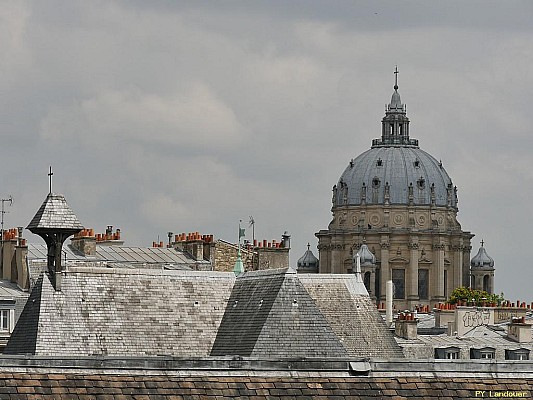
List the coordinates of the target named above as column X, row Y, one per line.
column 188, row 116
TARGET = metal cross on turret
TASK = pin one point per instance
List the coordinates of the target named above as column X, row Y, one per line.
column 50, row 174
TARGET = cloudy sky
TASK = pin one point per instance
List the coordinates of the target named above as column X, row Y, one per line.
column 188, row 116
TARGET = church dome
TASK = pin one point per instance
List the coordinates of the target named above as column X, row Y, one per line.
column 482, row 259
column 395, row 170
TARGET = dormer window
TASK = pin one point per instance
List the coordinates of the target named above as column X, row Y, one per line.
column 486, row 353
column 421, row 183
column 417, row 164
column 376, row 182
column 379, row 162
column 447, row 353
column 519, row 354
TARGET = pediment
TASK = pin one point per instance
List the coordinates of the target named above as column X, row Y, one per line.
column 398, row 260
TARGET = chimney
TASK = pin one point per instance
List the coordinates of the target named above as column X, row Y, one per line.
column 519, row 330
column 406, row 325
column 84, row 242
column 286, row 240
column 443, row 317
column 389, row 296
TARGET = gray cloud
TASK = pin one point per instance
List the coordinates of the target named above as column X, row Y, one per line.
column 188, row 116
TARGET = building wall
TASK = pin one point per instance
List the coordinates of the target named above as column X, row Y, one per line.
column 405, row 238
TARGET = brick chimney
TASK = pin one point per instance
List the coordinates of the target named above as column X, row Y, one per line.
column 84, row 242
column 406, row 325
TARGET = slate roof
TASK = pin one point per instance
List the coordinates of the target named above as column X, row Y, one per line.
column 139, row 312
column 351, row 314
column 55, row 213
column 128, row 255
column 103, row 311
column 278, row 313
column 270, row 314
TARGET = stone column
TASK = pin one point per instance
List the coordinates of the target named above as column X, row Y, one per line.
column 412, row 273
column 337, row 259
column 466, row 264
column 438, row 250
column 385, row 267
column 457, row 265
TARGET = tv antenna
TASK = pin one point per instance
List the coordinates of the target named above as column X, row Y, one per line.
column 10, row 201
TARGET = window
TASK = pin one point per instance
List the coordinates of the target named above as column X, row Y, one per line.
column 447, row 353
column 486, row 353
column 519, row 354
column 4, row 320
column 423, row 279
column 398, row 281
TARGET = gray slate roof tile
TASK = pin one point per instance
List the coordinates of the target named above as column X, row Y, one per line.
column 55, row 213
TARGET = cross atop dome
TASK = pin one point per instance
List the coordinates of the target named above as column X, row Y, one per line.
column 395, row 124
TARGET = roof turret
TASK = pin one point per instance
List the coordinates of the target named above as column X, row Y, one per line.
column 482, row 259
column 308, row 262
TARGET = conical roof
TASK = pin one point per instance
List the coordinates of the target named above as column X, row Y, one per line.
column 395, row 102
column 55, row 213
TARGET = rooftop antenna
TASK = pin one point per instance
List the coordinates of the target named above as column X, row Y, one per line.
column 50, row 174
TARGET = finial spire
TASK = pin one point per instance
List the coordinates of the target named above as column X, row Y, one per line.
column 308, row 245
column 396, row 72
column 50, row 174
column 482, row 242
